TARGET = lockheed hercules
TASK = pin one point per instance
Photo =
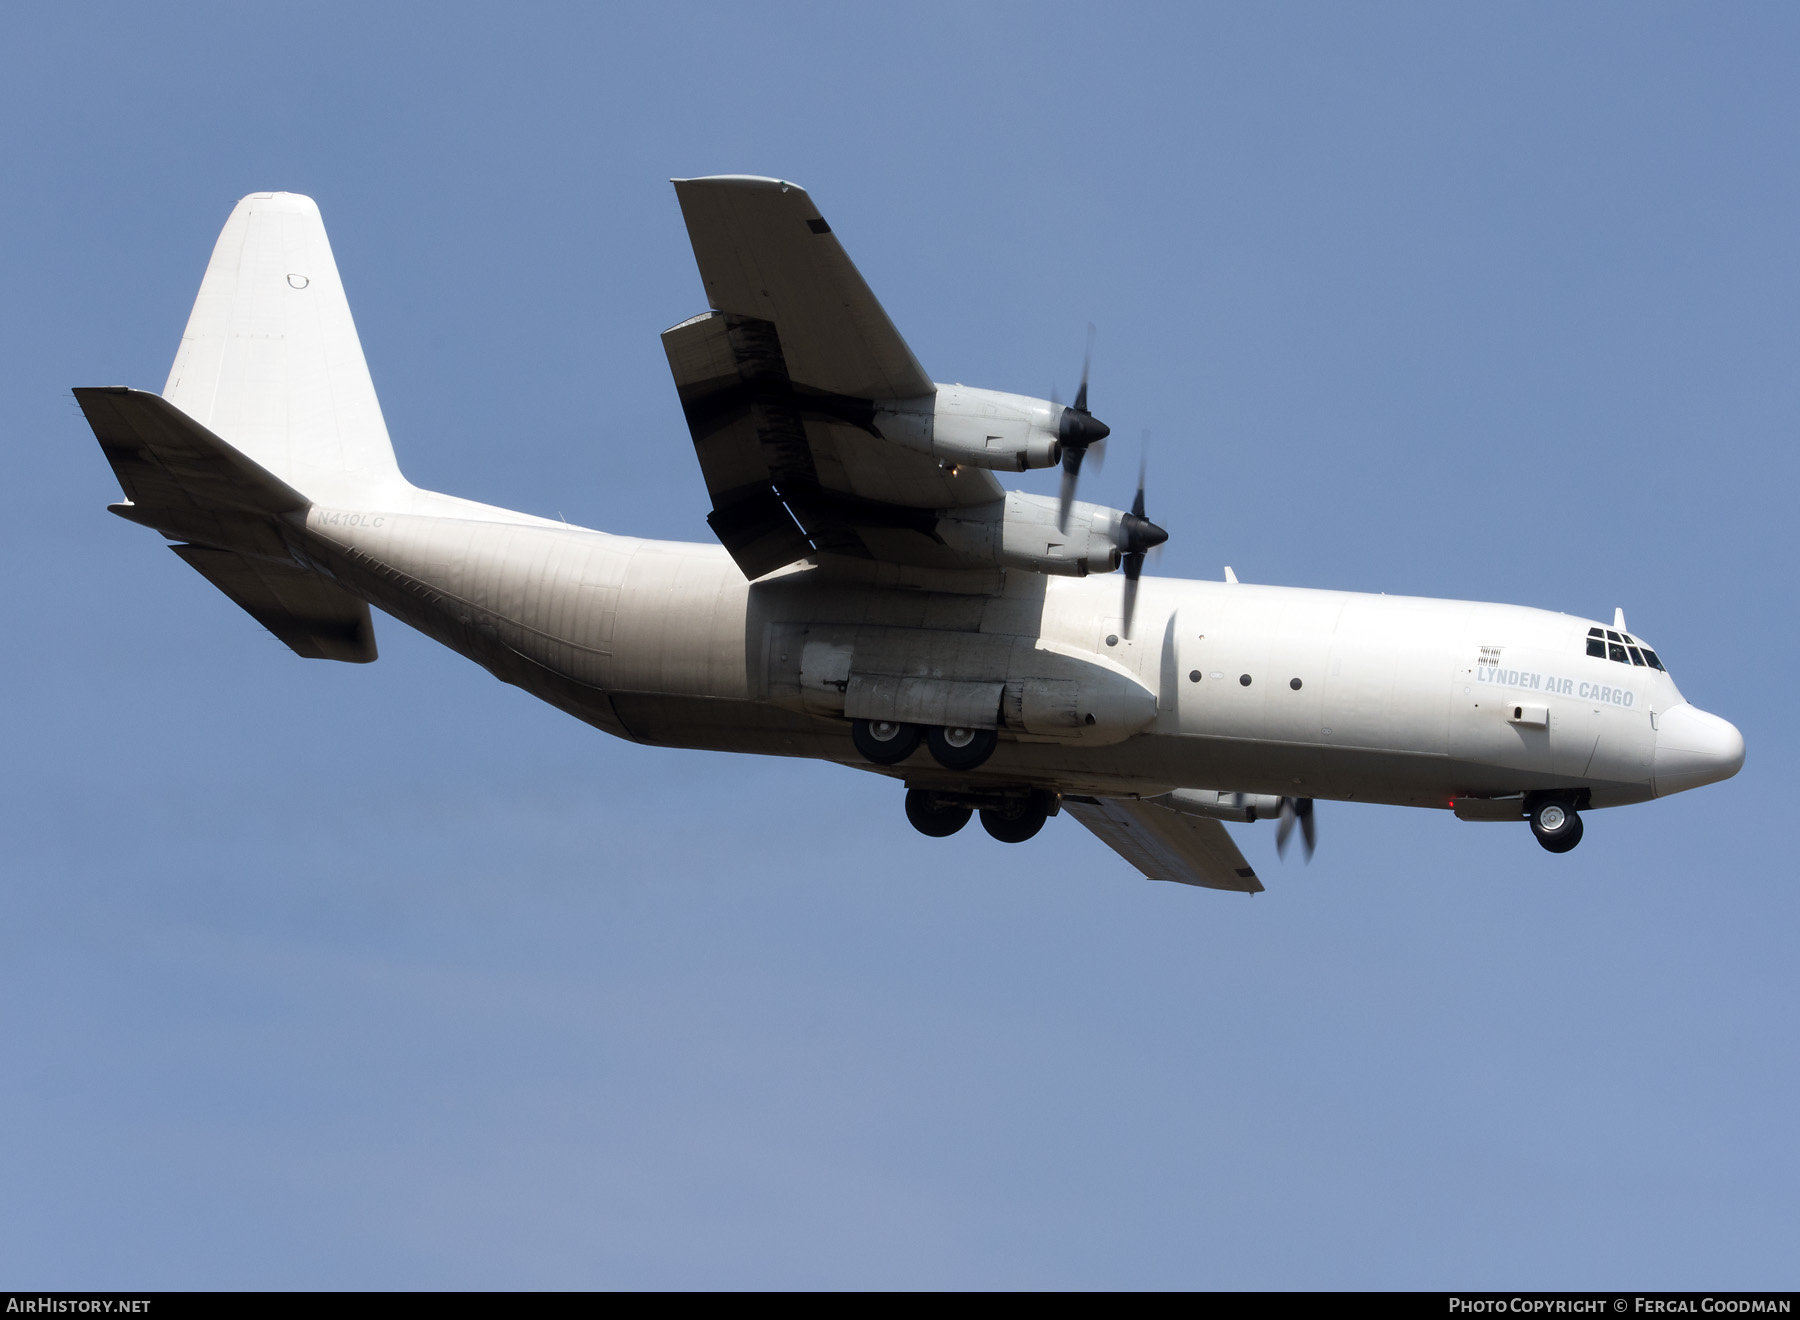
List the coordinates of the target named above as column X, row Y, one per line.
column 876, row 598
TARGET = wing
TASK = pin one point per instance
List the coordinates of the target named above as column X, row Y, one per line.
column 779, row 383
column 766, row 254
column 1167, row 845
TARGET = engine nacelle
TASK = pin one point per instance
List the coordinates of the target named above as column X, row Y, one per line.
column 1221, row 806
column 980, row 428
column 1022, row 532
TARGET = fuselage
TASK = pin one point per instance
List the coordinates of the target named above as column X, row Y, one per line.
column 1256, row 689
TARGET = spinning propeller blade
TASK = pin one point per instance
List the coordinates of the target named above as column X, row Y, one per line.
column 1292, row 810
column 1077, row 430
column 1087, row 360
column 1137, row 537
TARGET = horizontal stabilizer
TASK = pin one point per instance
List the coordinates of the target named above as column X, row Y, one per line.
column 165, row 459
column 1165, row 844
column 183, row 480
column 188, row 484
column 315, row 617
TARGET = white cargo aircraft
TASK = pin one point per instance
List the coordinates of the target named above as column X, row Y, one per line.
column 877, row 598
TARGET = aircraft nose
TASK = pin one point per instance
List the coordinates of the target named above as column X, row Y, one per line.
column 1694, row 748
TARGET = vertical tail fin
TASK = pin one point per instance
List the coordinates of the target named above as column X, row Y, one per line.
column 270, row 361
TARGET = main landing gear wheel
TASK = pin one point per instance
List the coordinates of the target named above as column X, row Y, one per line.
column 938, row 822
column 1017, row 821
column 961, row 749
column 1556, row 824
column 883, row 741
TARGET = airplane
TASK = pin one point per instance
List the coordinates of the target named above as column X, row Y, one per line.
column 875, row 598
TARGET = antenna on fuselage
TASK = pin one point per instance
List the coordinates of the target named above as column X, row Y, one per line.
column 1619, row 618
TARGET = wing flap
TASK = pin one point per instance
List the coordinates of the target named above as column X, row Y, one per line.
column 1165, row 844
column 792, row 472
column 737, row 430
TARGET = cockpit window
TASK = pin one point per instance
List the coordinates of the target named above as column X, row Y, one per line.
column 1622, row 647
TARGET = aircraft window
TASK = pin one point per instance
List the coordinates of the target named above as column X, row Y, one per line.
column 1624, row 649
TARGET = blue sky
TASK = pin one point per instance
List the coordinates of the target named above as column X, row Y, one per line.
column 386, row 976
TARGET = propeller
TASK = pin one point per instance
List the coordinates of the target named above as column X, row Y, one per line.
column 1076, row 431
column 1296, row 809
column 1136, row 537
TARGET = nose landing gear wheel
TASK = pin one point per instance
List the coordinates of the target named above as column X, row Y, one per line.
column 938, row 822
column 1556, row 824
column 961, row 749
column 883, row 741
